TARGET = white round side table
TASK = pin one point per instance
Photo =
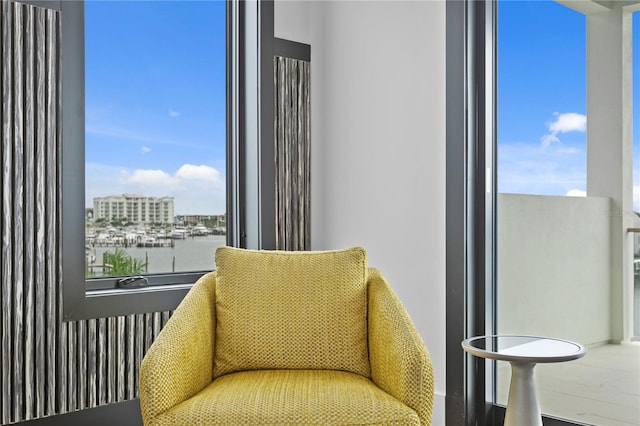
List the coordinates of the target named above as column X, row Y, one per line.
column 523, row 353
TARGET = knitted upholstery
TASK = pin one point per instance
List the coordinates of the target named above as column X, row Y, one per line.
column 179, row 362
column 177, row 385
column 291, row 310
column 291, row 397
column 400, row 363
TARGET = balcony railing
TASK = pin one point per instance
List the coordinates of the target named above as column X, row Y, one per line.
column 636, row 284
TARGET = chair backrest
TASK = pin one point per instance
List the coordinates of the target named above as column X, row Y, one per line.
column 291, row 310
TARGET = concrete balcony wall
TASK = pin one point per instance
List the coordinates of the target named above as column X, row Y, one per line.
column 554, row 267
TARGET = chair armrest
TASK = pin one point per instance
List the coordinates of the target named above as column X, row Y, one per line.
column 400, row 362
column 179, row 363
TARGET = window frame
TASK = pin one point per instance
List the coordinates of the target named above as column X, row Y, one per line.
column 249, row 48
column 469, row 35
column 471, row 196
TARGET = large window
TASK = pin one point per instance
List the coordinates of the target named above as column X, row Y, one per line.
column 537, row 262
column 561, row 262
column 167, row 133
column 154, row 136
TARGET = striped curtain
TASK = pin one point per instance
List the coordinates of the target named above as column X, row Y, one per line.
column 47, row 366
column 292, row 135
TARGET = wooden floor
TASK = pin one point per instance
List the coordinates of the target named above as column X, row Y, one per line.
column 603, row 388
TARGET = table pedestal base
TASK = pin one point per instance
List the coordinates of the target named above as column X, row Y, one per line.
column 523, row 408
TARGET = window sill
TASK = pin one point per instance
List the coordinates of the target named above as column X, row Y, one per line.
column 114, row 302
column 139, row 290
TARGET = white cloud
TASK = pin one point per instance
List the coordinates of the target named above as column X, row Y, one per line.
column 173, row 113
column 569, row 122
column 148, row 177
column 525, row 168
column 568, row 150
column 145, row 149
column 201, row 173
column 576, row 193
column 197, row 189
column 116, row 134
column 564, row 123
column 548, row 139
column 123, row 135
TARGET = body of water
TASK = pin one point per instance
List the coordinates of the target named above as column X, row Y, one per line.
column 190, row 254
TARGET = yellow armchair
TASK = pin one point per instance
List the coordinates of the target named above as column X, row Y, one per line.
column 288, row 338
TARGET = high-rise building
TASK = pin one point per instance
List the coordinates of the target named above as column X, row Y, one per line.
column 135, row 208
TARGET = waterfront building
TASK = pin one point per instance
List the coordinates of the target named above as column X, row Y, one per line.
column 213, row 221
column 136, row 208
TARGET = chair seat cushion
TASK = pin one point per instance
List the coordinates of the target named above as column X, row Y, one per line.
column 290, row 397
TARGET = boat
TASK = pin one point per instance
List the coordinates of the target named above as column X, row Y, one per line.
column 199, row 230
column 179, row 234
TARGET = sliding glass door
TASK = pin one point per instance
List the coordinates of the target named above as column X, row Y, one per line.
column 563, row 206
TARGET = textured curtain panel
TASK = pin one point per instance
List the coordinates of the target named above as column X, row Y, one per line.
column 292, row 153
column 30, row 272
column 47, row 366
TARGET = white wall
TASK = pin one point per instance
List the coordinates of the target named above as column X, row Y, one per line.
column 610, row 147
column 554, row 267
column 378, row 144
column 292, row 20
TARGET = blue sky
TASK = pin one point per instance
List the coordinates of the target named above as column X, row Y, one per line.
column 541, row 76
column 155, row 101
column 542, row 98
column 636, row 113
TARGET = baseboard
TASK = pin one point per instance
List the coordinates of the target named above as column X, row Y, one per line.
column 125, row 413
column 438, row 418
